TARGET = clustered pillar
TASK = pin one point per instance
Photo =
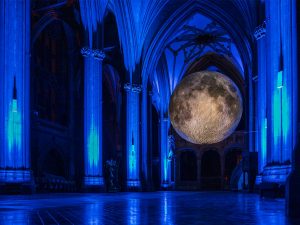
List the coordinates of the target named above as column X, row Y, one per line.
column 14, row 99
column 93, row 133
column 164, row 153
column 277, row 84
column 133, row 135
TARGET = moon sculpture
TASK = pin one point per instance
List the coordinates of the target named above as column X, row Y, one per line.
column 205, row 107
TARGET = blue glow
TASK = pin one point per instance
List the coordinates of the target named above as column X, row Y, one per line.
column 133, row 211
column 93, row 116
column 15, row 176
column 133, row 134
column 134, row 22
column 14, row 130
column 14, row 83
column 93, row 213
column 279, row 80
column 164, row 153
column 164, row 82
column 276, row 174
column 277, row 118
column 90, row 181
column 261, row 109
column 132, row 162
column 92, row 12
column 277, row 84
column 287, row 132
column 93, row 147
column 289, row 78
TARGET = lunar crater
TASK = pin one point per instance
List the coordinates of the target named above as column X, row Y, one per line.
column 205, row 107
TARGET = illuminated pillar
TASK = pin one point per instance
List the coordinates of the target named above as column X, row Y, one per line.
column 261, row 109
column 164, row 153
column 289, row 98
column 273, row 58
column 93, row 116
column 281, row 79
column 145, row 119
column 133, row 135
column 14, row 86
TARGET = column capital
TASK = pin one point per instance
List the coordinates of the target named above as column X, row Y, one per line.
column 260, row 30
column 133, row 87
column 95, row 53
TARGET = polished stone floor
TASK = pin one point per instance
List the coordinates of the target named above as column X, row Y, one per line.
column 143, row 208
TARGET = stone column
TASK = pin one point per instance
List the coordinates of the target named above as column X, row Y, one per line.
column 145, row 155
column 164, row 153
column 133, row 135
column 93, row 59
column 261, row 109
column 281, row 79
column 15, row 92
column 150, row 142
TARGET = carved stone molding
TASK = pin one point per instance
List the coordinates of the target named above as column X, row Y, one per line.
column 133, row 87
column 260, row 31
column 95, row 53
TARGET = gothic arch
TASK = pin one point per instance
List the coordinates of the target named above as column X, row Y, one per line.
column 209, row 9
column 241, row 36
column 47, row 20
column 211, row 170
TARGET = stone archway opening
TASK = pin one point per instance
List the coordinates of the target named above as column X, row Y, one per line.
column 188, row 166
column 211, row 170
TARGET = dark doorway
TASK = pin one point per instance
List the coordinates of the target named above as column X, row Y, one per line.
column 188, row 166
column 54, row 164
column 211, row 170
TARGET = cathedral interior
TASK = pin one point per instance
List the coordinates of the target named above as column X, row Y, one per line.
column 91, row 131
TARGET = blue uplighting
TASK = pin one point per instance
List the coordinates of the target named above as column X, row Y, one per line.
column 14, row 84
column 277, row 81
column 164, row 152
column 133, row 135
column 93, row 116
column 93, row 147
column 132, row 162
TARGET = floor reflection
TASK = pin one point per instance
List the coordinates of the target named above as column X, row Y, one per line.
column 133, row 211
column 19, row 217
column 143, row 208
column 93, row 213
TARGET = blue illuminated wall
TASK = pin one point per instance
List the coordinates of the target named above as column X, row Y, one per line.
column 93, row 116
column 14, row 86
column 277, row 84
column 133, row 134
